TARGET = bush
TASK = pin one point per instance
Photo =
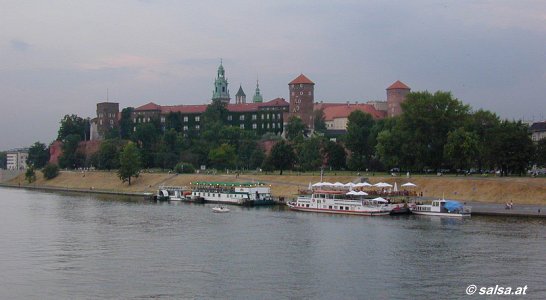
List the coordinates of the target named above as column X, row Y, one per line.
column 30, row 175
column 183, row 167
column 50, row 171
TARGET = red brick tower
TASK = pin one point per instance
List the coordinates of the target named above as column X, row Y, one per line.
column 396, row 94
column 302, row 97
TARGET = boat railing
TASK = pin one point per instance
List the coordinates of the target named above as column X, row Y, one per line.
column 172, row 187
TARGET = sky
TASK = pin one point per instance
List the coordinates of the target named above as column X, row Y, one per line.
column 61, row 57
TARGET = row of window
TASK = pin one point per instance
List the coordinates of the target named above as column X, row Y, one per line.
column 255, row 117
column 335, row 207
column 242, row 126
column 310, row 93
column 110, row 115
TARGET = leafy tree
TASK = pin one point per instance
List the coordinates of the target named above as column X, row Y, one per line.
column 183, row 167
column 50, row 171
column 358, row 138
column 30, row 175
column 71, row 158
column 173, row 120
column 72, row 124
column 38, row 155
column 108, row 154
column 295, row 128
column 318, row 120
column 540, row 154
column 129, row 163
column 3, row 160
column 308, row 154
column 335, row 155
column 461, row 149
column 485, row 125
column 126, row 123
column 147, row 136
column 282, row 156
column 513, row 147
column 223, row 156
column 256, row 158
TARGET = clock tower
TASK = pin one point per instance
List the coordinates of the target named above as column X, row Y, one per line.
column 302, row 98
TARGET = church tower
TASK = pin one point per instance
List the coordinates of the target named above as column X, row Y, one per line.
column 396, row 94
column 257, row 96
column 302, row 97
column 240, row 97
column 221, row 91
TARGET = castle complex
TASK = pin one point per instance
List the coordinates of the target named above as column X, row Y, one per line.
column 259, row 116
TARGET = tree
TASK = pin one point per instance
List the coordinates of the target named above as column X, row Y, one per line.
column 335, row 155
column 485, row 125
column 256, row 158
column 126, row 124
column 295, row 128
column 38, row 155
column 282, row 156
column 513, row 148
column 30, row 175
column 461, row 149
column 147, row 136
column 358, row 137
column 540, row 153
column 72, row 124
column 3, row 160
column 71, row 158
column 318, row 120
column 309, row 156
column 108, row 154
column 223, row 156
column 50, row 171
column 183, row 167
column 129, row 163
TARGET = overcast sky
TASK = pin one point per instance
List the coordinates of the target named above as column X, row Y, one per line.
column 60, row 57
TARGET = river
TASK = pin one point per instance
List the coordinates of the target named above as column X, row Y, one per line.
column 79, row 246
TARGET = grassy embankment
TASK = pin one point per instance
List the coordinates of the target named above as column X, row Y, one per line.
column 484, row 189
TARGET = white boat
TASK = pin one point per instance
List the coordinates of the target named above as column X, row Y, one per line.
column 240, row 193
column 442, row 207
column 338, row 202
column 172, row 193
column 220, row 209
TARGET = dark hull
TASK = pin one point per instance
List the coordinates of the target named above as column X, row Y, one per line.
column 400, row 211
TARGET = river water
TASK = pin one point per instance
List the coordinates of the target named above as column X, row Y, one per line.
column 75, row 246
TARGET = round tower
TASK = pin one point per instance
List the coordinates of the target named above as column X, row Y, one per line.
column 302, row 98
column 396, row 94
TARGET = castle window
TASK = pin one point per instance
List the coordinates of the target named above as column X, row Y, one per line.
column 278, row 116
column 273, row 125
column 263, row 125
column 185, row 118
column 242, row 117
column 111, row 122
column 254, row 117
column 197, row 126
column 162, row 119
column 223, row 89
column 100, row 122
column 279, row 125
column 134, row 120
column 230, row 117
column 263, row 117
column 242, row 126
column 310, row 93
column 301, row 93
column 197, row 118
column 293, row 94
column 268, row 116
column 301, row 85
column 185, row 127
column 254, row 126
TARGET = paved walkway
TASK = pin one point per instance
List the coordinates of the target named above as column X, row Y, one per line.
column 496, row 209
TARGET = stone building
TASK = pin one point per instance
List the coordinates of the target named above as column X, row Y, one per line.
column 538, row 131
column 396, row 94
column 302, row 95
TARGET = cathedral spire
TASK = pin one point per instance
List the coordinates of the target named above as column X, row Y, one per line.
column 257, row 96
column 221, row 91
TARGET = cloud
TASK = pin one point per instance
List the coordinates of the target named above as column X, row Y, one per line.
column 19, row 45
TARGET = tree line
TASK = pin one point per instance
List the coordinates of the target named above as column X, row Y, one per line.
column 436, row 132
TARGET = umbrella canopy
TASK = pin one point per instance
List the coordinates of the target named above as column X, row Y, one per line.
column 395, row 189
column 349, row 184
column 382, row 184
column 318, row 184
column 362, row 184
column 379, row 199
column 338, row 184
column 361, row 193
column 409, row 184
column 352, row 193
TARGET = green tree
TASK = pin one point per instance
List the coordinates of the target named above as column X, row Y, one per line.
column 358, row 138
column 129, row 163
column 513, row 147
column 50, row 171
column 108, row 154
column 183, row 167
column 282, row 156
column 309, row 156
column 223, row 156
column 335, row 155
column 256, row 158
column 485, row 125
column 318, row 120
column 540, row 153
column 3, row 160
column 30, row 175
column 72, row 124
column 461, row 149
column 71, row 158
column 38, row 155
column 126, row 123
column 147, row 137
column 295, row 128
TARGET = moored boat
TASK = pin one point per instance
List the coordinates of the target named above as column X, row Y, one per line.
column 239, row 193
column 172, row 193
column 442, row 207
column 220, row 209
column 338, row 202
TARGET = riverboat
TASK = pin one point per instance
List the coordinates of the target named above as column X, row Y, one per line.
column 338, row 202
column 173, row 193
column 442, row 207
column 239, row 193
column 220, row 209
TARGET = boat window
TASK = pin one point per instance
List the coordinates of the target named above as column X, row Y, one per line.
column 307, row 205
column 330, row 207
column 346, row 208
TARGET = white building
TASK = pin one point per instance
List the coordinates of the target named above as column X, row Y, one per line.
column 17, row 159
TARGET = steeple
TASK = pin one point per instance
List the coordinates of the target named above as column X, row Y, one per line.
column 257, row 96
column 221, row 91
column 240, row 97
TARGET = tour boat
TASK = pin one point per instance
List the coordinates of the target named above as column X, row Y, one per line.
column 172, row 193
column 240, row 193
column 220, row 209
column 442, row 207
column 338, row 202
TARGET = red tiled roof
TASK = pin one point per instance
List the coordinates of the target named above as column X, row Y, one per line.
column 189, row 109
column 398, row 85
column 301, row 79
column 334, row 111
column 149, row 106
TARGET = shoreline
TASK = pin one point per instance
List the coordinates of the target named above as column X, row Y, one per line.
column 478, row 208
